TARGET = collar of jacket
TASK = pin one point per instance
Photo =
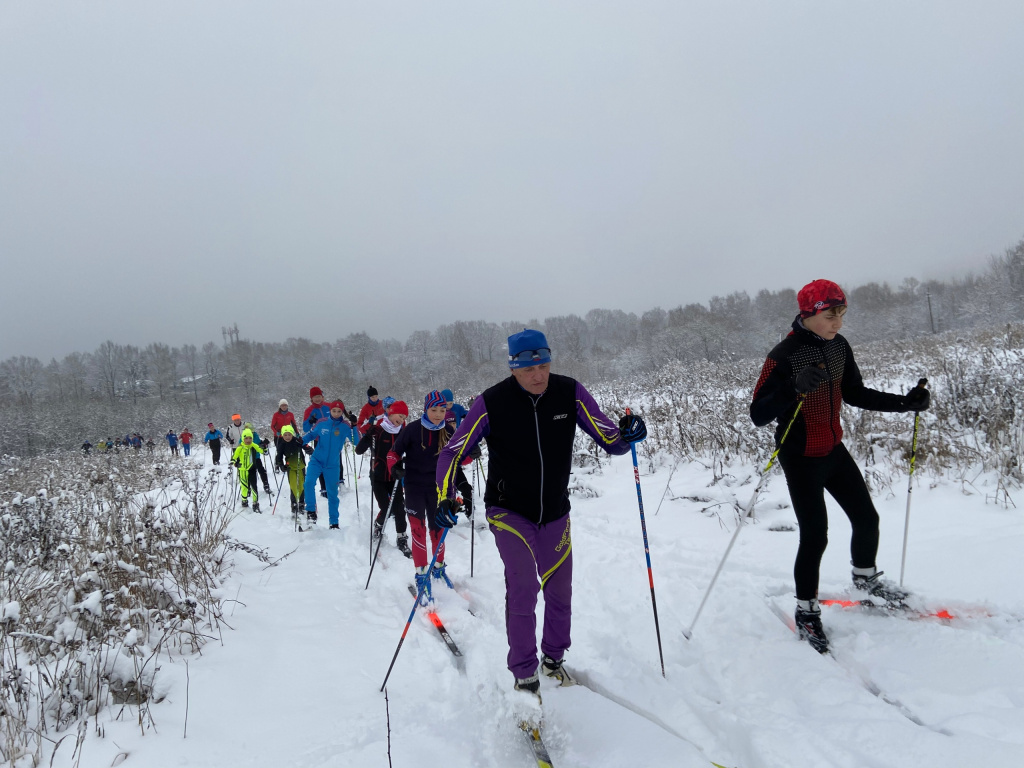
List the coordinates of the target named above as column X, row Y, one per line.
column 799, row 329
column 428, row 424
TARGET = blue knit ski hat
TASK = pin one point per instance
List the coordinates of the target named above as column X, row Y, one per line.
column 448, row 395
column 432, row 399
column 387, row 402
column 528, row 341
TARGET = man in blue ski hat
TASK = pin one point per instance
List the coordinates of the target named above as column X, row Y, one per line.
column 530, row 422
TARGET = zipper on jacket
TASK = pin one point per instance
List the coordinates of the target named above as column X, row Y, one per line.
column 540, row 452
column 831, row 400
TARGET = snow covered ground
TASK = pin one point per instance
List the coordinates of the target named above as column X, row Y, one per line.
column 297, row 681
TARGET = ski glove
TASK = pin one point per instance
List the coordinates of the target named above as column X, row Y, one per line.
column 308, row 449
column 632, row 428
column 447, row 513
column 397, row 472
column 918, row 399
column 809, row 378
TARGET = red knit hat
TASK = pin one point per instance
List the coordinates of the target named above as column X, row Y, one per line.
column 314, row 391
column 337, row 404
column 818, row 296
column 399, row 406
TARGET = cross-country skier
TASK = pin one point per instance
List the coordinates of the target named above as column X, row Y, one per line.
column 234, row 431
column 814, row 364
column 282, row 416
column 186, row 441
column 212, row 438
column 291, row 462
column 413, row 459
column 530, row 422
column 243, row 459
column 372, row 410
column 456, row 412
column 330, row 435
column 379, row 439
column 257, row 462
column 172, row 441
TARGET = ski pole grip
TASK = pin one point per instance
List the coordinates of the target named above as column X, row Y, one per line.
column 922, row 383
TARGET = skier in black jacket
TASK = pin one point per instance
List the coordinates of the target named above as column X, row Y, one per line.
column 814, row 365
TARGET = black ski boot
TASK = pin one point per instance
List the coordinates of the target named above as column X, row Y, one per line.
column 256, row 508
column 808, row 627
column 403, row 545
column 245, row 502
column 895, row 598
column 528, row 684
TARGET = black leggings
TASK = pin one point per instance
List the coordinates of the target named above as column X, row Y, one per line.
column 808, row 479
column 381, row 489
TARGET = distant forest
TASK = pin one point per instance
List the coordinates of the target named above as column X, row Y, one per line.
column 119, row 388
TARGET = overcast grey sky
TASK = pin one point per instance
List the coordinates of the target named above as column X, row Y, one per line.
column 317, row 169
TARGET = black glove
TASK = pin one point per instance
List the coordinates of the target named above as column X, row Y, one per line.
column 447, row 513
column 308, row 449
column 264, row 443
column 397, row 472
column 809, row 378
column 281, row 468
column 918, row 399
column 352, row 420
column 237, row 463
column 632, row 428
column 312, row 419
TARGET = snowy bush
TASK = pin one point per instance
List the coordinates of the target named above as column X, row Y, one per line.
column 108, row 562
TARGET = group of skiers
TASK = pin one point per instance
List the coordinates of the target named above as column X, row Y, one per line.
column 529, row 421
column 132, row 440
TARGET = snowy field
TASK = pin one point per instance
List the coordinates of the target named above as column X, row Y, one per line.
column 297, row 681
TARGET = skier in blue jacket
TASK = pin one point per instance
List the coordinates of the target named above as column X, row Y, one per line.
column 330, row 435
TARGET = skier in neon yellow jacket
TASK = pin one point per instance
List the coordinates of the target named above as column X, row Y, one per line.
column 242, row 458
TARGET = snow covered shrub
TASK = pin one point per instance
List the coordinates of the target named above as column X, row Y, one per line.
column 700, row 411
column 108, row 562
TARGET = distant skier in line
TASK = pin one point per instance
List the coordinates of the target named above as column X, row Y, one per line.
column 379, row 439
column 87, row 447
column 172, row 441
column 242, row 458
column 329, row 436
column 212, row 438
column 257, row 462
column 282, row 417
column 456, row 412
column 372, row 410
column 530, row 422
column 413, row 459
column 234, row 431
column 291, row 462
column 814, row 364
column 186, row 441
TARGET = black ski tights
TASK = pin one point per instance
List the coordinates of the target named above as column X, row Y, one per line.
column 808, row 479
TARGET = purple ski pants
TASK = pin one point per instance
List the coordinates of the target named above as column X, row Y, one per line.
column 535, row 558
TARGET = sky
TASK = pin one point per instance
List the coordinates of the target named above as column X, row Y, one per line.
column 319, row 169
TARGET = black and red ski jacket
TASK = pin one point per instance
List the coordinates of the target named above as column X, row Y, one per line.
column 378, row 441
column 817, row 430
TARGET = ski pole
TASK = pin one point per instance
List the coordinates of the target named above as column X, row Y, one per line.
column 412, row 613
column 280, row 480
column 667, row 484
column 688, row 633
column 373, row 562
column 359, row 512
column 921, row 384
column 472, row 526
column 647, row 551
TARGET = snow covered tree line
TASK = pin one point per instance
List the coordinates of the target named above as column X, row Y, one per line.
column 121, row 388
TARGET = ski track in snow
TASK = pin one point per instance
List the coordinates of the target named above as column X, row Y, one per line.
column 296, row 680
